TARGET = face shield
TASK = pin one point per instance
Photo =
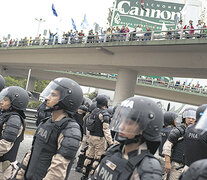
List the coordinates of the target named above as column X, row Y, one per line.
column 4, row 93
column 51, row 87
column 189, row 114
column 126, row 121
column 202, row 123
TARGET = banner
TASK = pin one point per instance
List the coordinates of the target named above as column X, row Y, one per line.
column 155, row 12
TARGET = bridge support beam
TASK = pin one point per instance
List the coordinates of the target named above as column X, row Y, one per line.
column 125, row 85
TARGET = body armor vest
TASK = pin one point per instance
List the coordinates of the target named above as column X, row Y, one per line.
column 44, row 147
column 195, row 145
column 178, row 149
column 98, row 131
column 114, row 167
column 12, row 153
column 164, row 135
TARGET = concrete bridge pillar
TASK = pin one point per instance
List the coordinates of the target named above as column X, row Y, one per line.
column 125, row 85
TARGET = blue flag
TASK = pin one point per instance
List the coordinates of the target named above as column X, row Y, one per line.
column 54, row 11
column 73, row 24
column 84, row 23
column 85, row 20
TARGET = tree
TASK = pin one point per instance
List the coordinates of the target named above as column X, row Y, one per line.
column 40, row 85
column 14, row 81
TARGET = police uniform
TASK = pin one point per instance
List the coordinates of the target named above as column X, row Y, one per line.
column 174, row 148
column 97, row 139
column 195, row 140
column 12, row 131
column 164, row 135
column 195, row 145
column 53, row 150
column 138, row 164
column 57, row 138
column 137, row 122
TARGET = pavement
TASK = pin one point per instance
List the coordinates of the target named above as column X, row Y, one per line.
column 26, row 145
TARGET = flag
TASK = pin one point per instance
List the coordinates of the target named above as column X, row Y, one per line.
column 73, row 24
column 54, row 11
column 84, row 23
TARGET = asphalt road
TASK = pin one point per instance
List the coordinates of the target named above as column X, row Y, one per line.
column 26, row 145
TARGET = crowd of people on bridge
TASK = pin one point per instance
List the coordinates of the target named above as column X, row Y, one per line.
column 132, row 140
column 140, row 33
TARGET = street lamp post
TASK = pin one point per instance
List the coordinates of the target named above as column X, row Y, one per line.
column 40, row 20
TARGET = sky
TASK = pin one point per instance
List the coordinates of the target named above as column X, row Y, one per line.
column 18, row 16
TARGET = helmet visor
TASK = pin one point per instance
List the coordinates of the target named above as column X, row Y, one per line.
column 51, row 87
column 4, row 93
column 125, row 121
column 189, row 114
column 202, row 123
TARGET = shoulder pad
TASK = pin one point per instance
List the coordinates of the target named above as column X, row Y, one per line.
column 176, row 133
column 112, row 149
column 12, row 128
column 71, row 140
column 150, row 168
column 106, row 116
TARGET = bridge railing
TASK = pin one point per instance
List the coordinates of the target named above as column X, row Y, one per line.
column 152, row 82
column 104, row 38
column 172, row 85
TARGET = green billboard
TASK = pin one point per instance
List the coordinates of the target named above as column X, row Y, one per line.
column 158, row 12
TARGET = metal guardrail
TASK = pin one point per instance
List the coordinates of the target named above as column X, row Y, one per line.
column 152, row 82
column 172, row 86
column 31, row 119
column 104, row 38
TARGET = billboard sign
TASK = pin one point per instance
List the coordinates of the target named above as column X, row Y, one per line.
column 158, row 12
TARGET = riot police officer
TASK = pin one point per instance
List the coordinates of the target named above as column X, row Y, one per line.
column 13, row 102
column 98, row 126
column 80, row 117
column 137, row 122
column 195, row 140
column 57, row 138
column 173, row 149
column 198, row 169
column 169, row 123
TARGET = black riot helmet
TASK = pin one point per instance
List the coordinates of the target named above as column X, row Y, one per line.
column 102, row 100
column 200, row 111
column 169, row 118
column 196, row 171
column 87, row 102
column 71, row 95
column 92, row 107
column 188, row 113
column 145, row 113
column 18, row 96
column 2, row 83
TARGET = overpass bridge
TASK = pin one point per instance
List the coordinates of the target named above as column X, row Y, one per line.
column 175, row 58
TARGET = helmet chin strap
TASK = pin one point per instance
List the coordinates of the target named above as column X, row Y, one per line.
column 54, row 108
column 126, row 141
